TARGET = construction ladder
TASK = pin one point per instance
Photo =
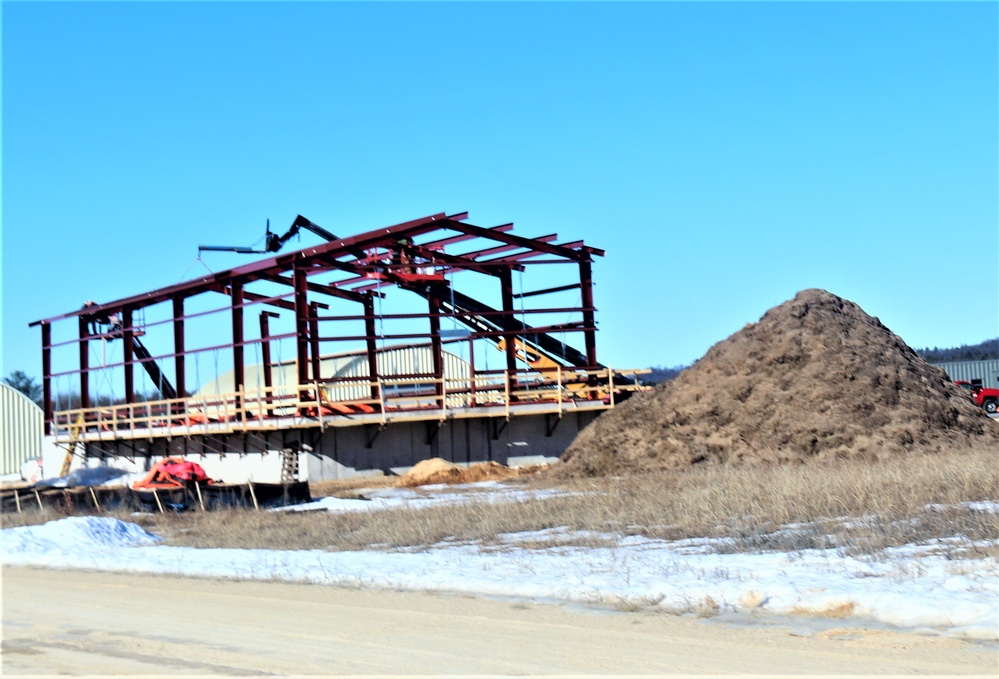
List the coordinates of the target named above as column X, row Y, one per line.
column 67, row 461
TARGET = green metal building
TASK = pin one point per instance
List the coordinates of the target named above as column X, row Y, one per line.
column 21, row 430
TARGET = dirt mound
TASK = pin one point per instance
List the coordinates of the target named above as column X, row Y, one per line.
column 815, row 378
column 488, row 471
column 434, row 470
column 437, row 470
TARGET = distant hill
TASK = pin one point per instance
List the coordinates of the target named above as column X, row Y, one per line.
column 983, row 351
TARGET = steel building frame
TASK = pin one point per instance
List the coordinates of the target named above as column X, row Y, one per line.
column 419, row 256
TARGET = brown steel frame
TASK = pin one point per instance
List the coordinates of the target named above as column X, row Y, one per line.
column 366, row 263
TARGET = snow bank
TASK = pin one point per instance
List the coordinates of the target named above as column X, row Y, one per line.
column 82, row 534
column 913, row 587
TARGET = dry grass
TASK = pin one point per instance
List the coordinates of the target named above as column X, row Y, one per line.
column 855, row 506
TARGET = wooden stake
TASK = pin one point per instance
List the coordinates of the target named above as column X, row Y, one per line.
column 17, row 499
column 253, row 495
column 94, row 496
column 197, row 487
column 39, row 498
column 158, row 503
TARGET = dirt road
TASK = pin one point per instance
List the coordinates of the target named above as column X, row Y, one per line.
column 67, row 622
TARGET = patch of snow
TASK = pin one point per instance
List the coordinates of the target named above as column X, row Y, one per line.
column 915, row 586
column 109, row 477
column 372, row 499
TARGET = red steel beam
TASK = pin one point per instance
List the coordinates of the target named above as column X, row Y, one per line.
column 178, row 346
column 586, row 286
column 47, row 376
column 238, row 368
column 369, row 330
column 506, row 293
column 302, row 330
column 463, row 237
column 524, row 255
column 314, row 308
column 84, row 364
column 265, row 354
column 519, row 241
column 506, row 248
column 129, row 353
column 271, row 265
column 436, row 349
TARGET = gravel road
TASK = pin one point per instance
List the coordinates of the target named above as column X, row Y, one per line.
column 75, row 622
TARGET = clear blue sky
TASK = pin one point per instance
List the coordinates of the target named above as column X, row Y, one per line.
column 725, row 155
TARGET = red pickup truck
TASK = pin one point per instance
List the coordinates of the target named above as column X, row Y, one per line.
column 982, row 396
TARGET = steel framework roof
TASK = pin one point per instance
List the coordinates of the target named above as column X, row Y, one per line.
column 418, row 255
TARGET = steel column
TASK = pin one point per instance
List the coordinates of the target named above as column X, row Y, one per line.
column 302, row 331
column 178, row 347
column 265, row 354
column 317, row 364
column 84, row 364
column 436, row 348
column 46, row 376
column 128, row 340
column 589, row 322
column 238, row 368
column 506, row 283
column 369, row 330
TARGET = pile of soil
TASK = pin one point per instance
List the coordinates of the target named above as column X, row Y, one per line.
column 437, row 470
column 816, row 378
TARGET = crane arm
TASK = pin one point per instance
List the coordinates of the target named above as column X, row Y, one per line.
column 275, row 242
column 272, row 241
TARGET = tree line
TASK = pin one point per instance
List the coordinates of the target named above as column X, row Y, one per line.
column 27, row 385
column 983, row 351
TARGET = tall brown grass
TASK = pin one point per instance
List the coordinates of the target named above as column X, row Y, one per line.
column 853, row 506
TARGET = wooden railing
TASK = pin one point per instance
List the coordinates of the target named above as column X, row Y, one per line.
column 310, row 404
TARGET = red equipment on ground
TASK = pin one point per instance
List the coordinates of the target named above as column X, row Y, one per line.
column 985, row 397
column 172, row 472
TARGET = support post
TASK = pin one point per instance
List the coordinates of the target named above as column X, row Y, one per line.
column 589, row 334
column 128, row 339
column 178, row 347
column 317, row 364
column 369, row 331
column 436, row 348
column 510, row 337
column 471, row 370
column 238, row 368
column 302, row 333
column 47, row 377
column 265, row 355
column 84, row 364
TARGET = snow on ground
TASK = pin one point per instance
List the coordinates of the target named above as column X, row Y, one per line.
column 375, row 499
column 915, row 586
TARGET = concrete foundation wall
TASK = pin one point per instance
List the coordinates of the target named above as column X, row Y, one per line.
column 346, row 452
column 233, row 458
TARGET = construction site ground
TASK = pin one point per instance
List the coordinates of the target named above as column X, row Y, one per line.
column 85, row 623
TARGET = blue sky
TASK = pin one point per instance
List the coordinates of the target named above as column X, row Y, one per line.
column 725, row 155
